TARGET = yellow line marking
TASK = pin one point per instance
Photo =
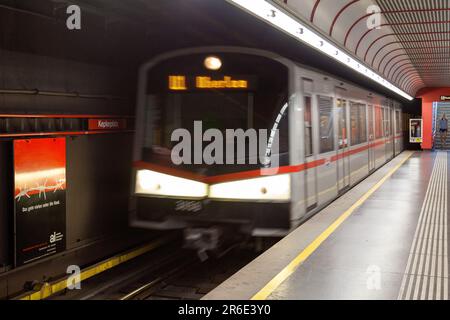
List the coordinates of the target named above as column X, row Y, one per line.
column 49, row 289
column 273, row 284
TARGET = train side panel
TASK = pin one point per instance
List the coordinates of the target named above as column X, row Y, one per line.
column 373, row 142
column 359, row 163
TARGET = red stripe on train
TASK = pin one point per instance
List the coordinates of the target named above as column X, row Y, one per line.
column 252, row 173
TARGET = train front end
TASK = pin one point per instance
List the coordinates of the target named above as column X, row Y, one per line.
column 212, row 141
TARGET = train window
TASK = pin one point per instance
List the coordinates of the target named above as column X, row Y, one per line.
column 370, row 118
column 354, row 116
column 326, row 124
column 342, row 119
column 379, row 122
column 363, row 123
column 308, row 127
column 358, row 123
column 387, row 122
column 398, row 121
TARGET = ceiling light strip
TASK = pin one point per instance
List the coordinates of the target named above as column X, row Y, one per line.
column 276, row 17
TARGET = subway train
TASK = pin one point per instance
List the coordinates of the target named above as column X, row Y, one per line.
column 330, row 135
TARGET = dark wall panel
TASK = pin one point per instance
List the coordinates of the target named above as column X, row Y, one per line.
column 12, row 103
column 98, row 174
column 6, row 204
column 98, row 166
column 20, row 71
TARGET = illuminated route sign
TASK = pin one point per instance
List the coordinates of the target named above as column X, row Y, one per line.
column 177, row 83
column 226, row 83
column 184, row 83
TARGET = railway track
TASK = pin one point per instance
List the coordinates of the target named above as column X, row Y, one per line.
column 178, row 275
column 168, row 273
column 193, row 279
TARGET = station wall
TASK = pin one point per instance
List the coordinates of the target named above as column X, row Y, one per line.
column 429, row 95
column 6, row 201
column 98, row 172
column 23, row 71
column 98, row 166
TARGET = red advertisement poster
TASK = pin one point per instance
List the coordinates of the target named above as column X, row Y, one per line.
column 39, row 198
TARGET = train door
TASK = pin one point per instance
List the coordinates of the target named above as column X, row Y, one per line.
column 392, row 132
column 311, row 172
column 343, row 163
column 310, row 114
column 398, row 131
column 388, row 132
column 395, row 120
column 371, row 135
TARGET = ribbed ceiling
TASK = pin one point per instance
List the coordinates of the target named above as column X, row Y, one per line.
column 411, row 48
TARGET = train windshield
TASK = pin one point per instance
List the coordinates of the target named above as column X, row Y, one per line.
column 204, row 98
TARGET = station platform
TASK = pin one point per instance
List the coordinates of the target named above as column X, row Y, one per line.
column 387, row 238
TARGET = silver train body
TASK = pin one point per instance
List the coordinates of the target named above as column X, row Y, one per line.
column 337, row 134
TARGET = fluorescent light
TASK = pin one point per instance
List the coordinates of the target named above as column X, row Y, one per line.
column 288, row 24
column 160, row 184
column 273, row 188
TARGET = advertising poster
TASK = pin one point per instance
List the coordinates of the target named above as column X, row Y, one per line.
column 39, row 198
column 415, row 131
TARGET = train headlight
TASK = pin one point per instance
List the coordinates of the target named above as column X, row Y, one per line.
column 212, row 63
column 164, row 185
column 271, row 188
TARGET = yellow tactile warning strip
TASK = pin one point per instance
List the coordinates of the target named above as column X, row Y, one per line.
column 273, row 284
column 426, row 274
column 49, row 289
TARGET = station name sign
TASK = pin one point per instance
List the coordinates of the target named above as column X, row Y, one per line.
column 107, row 124
column 445, row 98
column 183, row 83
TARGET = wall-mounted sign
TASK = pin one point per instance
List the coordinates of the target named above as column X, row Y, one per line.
column 39, row 198
column 107, row 124
column 415, row 131
column 445, row 98
column 182, row 83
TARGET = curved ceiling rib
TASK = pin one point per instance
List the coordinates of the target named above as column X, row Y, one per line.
column 402, row 34
column 423, row 33
column 414, row 86
column 402, row 70
column 339, row 14
column 385, row 13
column 313, row 13
column 384, row 47
column 413, row 82
column 431, row 50
column 391, row 60
column 396, row 66
column 400, row 24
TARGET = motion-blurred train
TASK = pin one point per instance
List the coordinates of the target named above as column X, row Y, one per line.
column 332, row 134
